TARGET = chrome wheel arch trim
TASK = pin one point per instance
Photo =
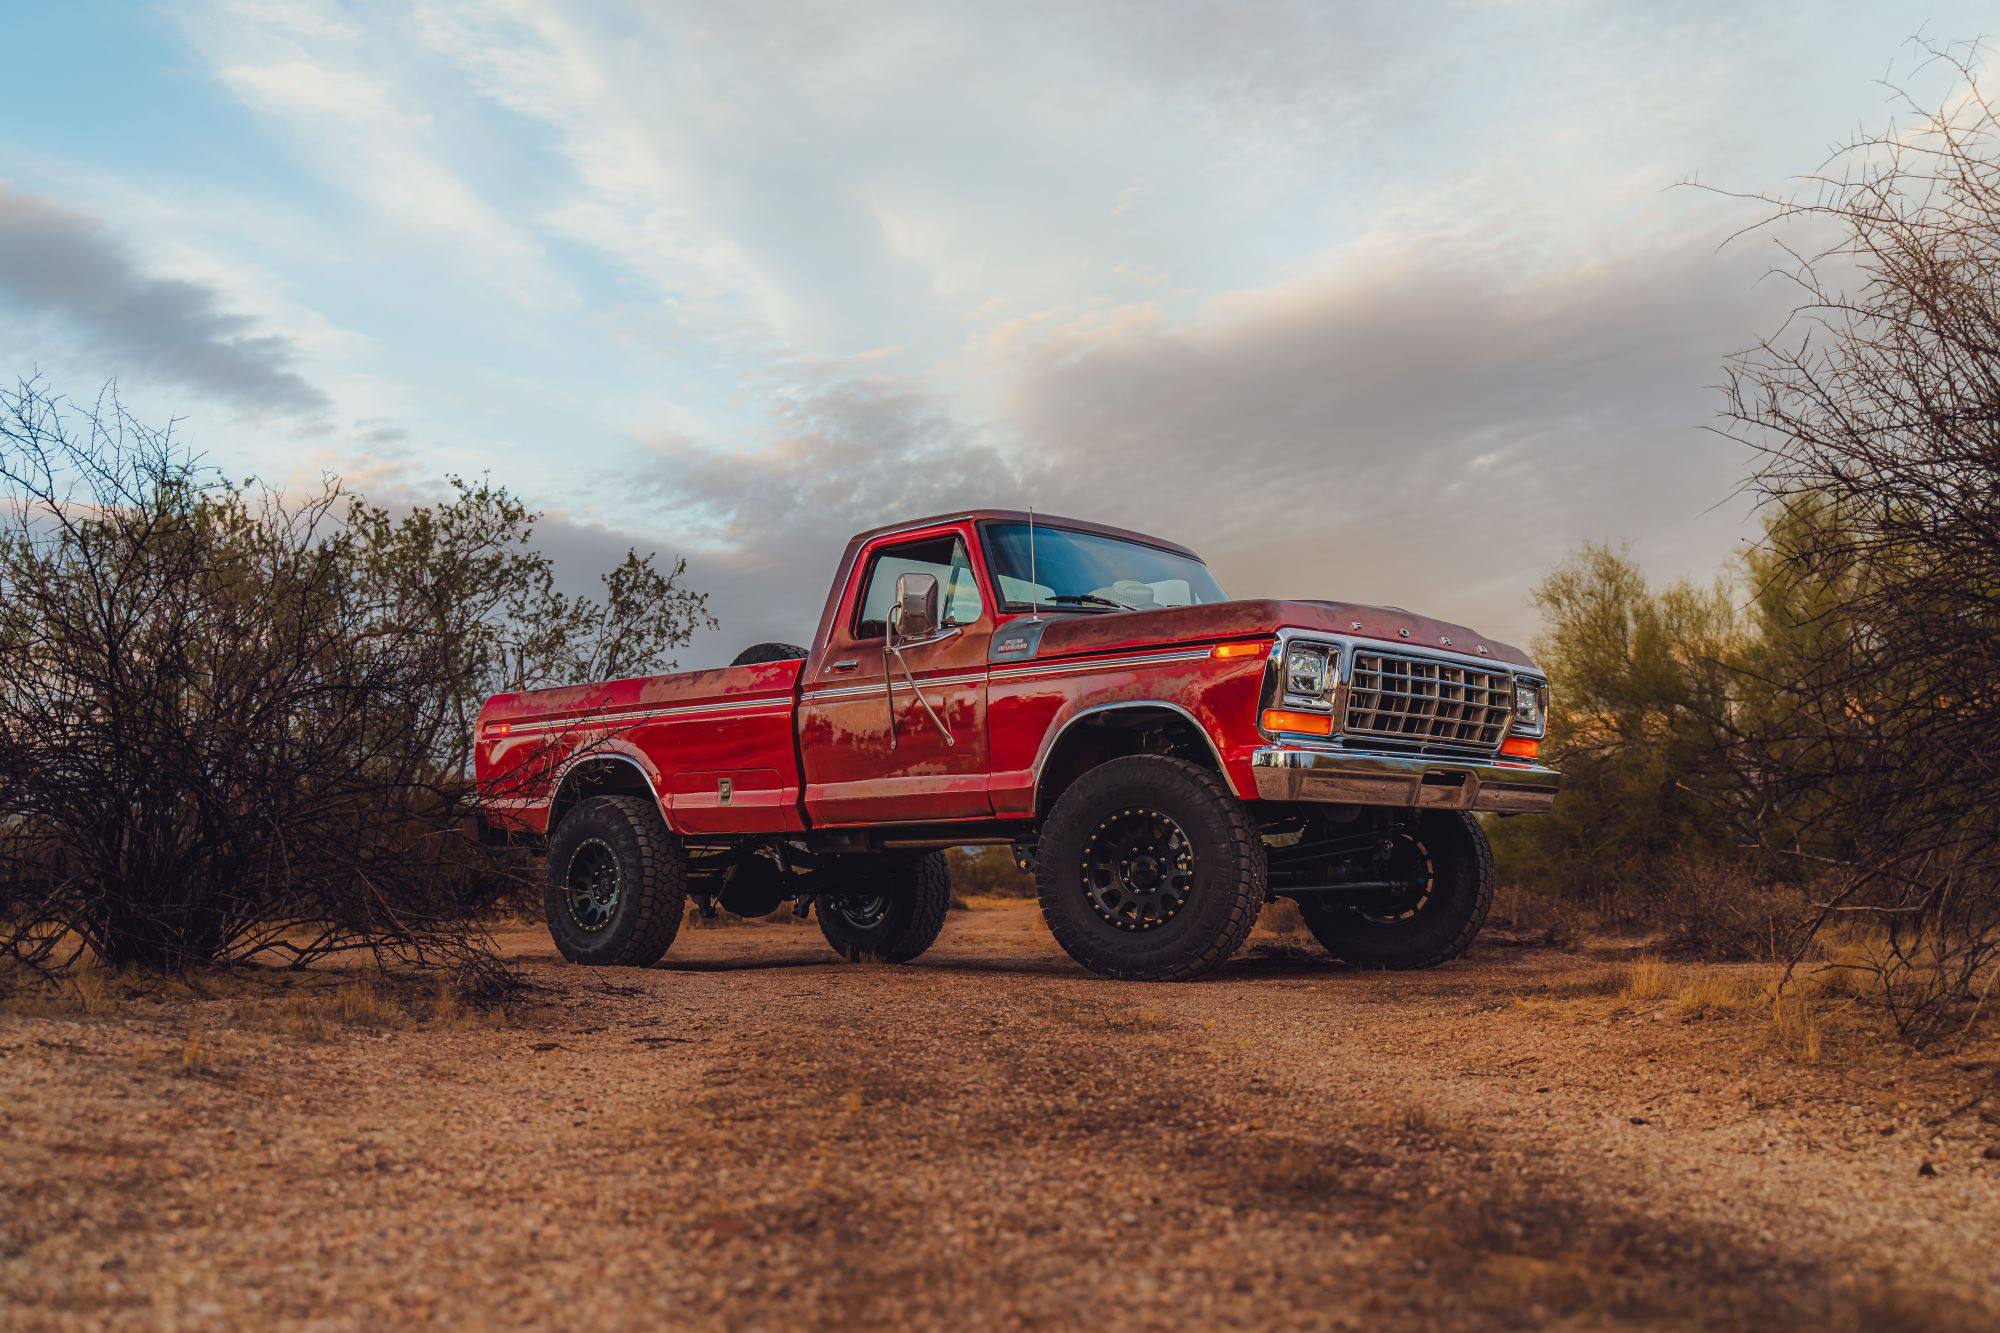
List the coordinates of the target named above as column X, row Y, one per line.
column 576, row 762
column 1056, row 736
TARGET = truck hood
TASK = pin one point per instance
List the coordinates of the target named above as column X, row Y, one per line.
column 1066, row 633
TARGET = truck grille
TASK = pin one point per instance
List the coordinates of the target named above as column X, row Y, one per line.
column 1430, row 702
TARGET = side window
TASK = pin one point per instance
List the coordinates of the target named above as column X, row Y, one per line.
column 945, row 558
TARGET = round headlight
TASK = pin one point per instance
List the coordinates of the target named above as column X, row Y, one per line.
column 1305, row 670
column 1528, row 706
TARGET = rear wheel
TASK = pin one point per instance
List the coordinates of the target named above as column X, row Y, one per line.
column 1448, row 865
column 891, row 916
column 617, row 883
column 1150, row 870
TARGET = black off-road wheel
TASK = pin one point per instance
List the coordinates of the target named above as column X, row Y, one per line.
column 1149, row 870
column 1449, row 865
column 891, row 916
column 617, row 883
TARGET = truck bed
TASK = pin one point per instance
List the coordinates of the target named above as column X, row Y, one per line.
column 717, row 746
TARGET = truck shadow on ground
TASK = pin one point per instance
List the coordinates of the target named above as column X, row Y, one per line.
column 1250, row 967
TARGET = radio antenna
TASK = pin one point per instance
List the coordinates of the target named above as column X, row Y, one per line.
column 1034, row 588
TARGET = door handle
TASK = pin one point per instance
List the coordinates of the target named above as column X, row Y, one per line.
column 848, row 665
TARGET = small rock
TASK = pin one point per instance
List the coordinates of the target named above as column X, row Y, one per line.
column 1992, row 1153
column 1640, row 1120
column 1886, row 1130
column 1541, row 1089
column 1929, row 1168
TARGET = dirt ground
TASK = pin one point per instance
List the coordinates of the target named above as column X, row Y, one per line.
column 754, row 1135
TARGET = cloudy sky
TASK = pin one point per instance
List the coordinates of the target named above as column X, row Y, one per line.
column 1382, row 301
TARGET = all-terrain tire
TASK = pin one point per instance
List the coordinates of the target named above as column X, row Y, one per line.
column 770, row 652
column 1221, row 882
column 628, row 917
column 890, row 917
column 1441, row 928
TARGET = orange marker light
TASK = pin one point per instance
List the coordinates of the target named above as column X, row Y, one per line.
column 499, row 728
column 1238, row 650
column 1310, row 724
column 1521, row 747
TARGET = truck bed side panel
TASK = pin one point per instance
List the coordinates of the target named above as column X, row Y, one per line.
column 715, row 746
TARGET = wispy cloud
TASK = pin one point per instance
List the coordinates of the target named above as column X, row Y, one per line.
column 62, row 267
column 331, row 84
column 1355, row 299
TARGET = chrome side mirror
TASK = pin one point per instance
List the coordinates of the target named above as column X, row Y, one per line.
column 915, row 614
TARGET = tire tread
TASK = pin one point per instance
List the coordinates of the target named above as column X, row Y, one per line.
column 1325, row 927
column 660, row 894
column 1246, row 899
column 927, row 888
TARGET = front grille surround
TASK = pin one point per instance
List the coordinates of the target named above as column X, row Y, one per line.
column 1429, row 701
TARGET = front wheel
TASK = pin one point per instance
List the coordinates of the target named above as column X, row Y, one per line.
column 891, row 916
column 1150, row 870
column 1448, row 865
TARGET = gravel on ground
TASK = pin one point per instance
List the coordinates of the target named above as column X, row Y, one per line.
column 754, row 1135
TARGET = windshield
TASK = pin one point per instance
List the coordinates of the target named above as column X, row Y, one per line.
column 1092, row 571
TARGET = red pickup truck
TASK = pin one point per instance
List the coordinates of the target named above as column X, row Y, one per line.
column 1165, row 761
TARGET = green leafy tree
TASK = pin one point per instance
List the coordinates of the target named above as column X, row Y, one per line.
column 1641, row 710
column 466, row 572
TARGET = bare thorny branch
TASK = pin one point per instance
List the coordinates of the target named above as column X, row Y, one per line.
column 1875, row 417
column 234, row 720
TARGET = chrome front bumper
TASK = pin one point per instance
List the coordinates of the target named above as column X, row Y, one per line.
column 1353, row 777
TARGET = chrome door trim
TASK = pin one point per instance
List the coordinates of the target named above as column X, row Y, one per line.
column 832, row 692
column 605, row 718
column 1070, row 665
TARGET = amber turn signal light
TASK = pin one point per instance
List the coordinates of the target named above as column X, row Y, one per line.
column 1521, row 747
column 498, row 728
column 1238, row 650
column 1286, row 719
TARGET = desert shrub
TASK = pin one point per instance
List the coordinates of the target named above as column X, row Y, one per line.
column 1641, row 697
column 1878, row 585
column 1554, row 920
column 235, row 720
column 988, row 872
column 1721, row 911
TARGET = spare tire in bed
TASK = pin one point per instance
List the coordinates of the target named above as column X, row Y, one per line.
column 769, row 652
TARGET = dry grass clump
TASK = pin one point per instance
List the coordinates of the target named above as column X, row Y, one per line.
column 86, row 989
column 316, row 1011
column 195, row 1055
column 1692, row 991
column 1796, row 1024
column 1797, row 1005
column 1647, row 979
column 1712, row 992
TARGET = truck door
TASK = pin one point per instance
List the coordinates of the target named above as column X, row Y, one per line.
column 857, row 768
